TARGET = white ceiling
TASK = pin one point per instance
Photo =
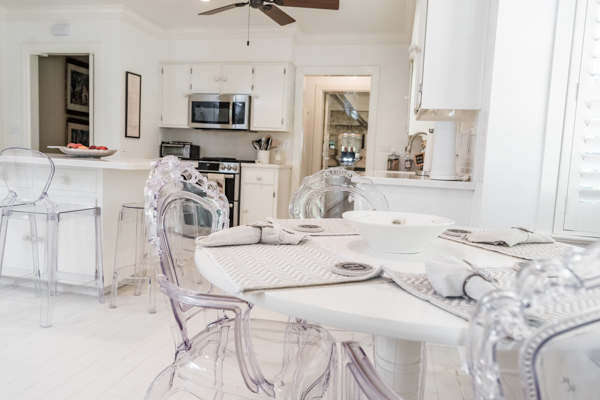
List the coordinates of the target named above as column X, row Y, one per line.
column 354, row 16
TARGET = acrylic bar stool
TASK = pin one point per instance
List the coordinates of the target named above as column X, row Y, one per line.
column 134, row 263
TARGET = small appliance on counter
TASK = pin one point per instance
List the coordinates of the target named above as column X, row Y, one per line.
column 443, row 163
column 180, row 149
column 393, row 163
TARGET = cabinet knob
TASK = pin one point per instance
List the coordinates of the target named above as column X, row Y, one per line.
column 414, row 48
column 64, row 180
column 256, row 96
column 224, row 79
column 217, row 78
column 259, row 178
column 25, row 238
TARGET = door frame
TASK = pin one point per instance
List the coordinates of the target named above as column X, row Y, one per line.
column 298, row 135
column 29, row 84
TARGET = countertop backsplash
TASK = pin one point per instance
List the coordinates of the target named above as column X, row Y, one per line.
column 236, row 144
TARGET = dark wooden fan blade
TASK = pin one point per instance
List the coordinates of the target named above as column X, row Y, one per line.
column 277, row 15
column 221, row 9
column 322, row 4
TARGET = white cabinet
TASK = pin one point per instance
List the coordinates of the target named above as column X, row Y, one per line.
column 206, row 78
column 236, row 79
column 269, row 103
column 175, row 91
column 449, row 58
column 265, row 192
column 221, row 78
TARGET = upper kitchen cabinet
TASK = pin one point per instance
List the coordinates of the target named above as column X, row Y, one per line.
column 271, row 100
column 175, row 91
column 221, row 78
column 449, row 55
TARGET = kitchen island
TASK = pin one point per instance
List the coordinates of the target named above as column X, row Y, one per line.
column 107, row 183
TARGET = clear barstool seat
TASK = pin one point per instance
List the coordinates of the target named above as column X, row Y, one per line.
column 134, row 262
column 28, row 175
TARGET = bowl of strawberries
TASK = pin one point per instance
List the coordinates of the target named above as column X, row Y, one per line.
column 79, row 150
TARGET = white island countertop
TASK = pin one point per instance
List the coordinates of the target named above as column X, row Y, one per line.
column 393, row 178
column 61, row 160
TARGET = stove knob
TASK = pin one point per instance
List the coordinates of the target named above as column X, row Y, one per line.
column 221, row 166
column 235, row 167
column 229, row 167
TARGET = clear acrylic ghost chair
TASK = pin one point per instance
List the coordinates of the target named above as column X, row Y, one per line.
column 232, row 356
column 360, row 380
column 28, row 175
column 331, row 192
column 558, row 359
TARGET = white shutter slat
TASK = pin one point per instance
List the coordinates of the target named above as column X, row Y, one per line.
column 582, row 213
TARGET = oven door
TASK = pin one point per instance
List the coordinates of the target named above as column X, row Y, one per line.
column 213, row 111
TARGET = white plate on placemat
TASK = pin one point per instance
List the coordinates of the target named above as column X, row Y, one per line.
column 87, row 153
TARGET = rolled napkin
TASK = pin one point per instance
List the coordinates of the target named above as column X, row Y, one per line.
column 451, row 277
column 258, row 232
column 508, row 237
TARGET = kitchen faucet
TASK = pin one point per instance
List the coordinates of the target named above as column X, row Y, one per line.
column 408, row 162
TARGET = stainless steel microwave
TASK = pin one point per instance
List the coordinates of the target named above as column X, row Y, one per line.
column 219, row 111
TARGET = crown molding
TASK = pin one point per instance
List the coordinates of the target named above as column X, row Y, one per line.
column 125, row 14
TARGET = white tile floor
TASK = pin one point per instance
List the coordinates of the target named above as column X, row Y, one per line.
column 94, row 352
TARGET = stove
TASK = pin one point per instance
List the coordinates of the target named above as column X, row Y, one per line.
column 226, row 173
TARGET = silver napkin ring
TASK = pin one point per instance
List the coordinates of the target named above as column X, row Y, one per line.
column 465, row 284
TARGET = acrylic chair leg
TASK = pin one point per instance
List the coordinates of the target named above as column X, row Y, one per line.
column 99, row 260
column 151, row 294
column 115, row 282
column 113, row 290
column 50, row 260
column 162, row 385
column 3, row 229
column 35, row 253
column 140, row 228
column 401, row 365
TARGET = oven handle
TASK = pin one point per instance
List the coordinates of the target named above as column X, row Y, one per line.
column 228, row 176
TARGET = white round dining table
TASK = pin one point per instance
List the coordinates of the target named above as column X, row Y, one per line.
column 401, row 321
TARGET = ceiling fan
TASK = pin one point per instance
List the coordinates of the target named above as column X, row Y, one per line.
column 269, row 8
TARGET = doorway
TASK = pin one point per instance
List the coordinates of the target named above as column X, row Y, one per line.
column 335, row 123
column 61, row 100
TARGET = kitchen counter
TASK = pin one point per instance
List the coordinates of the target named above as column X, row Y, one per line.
column 409, row 179
column 62, row 160
column 271, row 166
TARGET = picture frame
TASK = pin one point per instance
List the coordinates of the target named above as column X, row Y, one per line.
column 78, row 84
column 133, row 105
column 78, row 131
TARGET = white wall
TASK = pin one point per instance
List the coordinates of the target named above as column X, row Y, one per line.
column 513, row 119
column 393, row 86
column 139, row 54
column 3, row 59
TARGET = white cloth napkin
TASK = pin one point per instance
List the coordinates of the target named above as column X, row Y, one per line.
column 447, row 275
column 259, row 232
column 507, row 237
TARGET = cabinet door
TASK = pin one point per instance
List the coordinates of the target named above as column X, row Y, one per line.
column 258, row 202
column 269, row 97
column 206, row 78
column 175, row 90
column 237, row 79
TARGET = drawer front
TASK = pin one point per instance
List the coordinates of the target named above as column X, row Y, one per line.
column 259, row 176
column 71, row 180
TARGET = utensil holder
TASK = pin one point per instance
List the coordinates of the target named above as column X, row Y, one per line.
column 263, row 157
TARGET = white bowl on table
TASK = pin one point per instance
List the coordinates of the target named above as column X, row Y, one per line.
column 380, row 233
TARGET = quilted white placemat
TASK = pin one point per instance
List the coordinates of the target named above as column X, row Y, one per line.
column 418, row 285
column 263, row 267
column 528, row 251
column 333, row 226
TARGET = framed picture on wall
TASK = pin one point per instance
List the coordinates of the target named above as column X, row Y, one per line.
column 78, row 131
column 133, row 104
column 78, row 87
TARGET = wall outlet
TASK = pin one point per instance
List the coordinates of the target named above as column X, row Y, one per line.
column 286, row 144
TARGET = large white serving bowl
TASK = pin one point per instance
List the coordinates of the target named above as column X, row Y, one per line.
column 377, row 229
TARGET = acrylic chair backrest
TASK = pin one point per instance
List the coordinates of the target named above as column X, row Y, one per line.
column 331, row 192
column 506, row 314
column 360, row 380
column 27, row 174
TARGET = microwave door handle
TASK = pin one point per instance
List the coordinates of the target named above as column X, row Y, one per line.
column 231, row 113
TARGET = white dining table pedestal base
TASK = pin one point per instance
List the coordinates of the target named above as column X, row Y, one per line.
column 402, row 366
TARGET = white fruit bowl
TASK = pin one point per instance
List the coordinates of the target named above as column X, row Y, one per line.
column 377, row 229
column 87, row 153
